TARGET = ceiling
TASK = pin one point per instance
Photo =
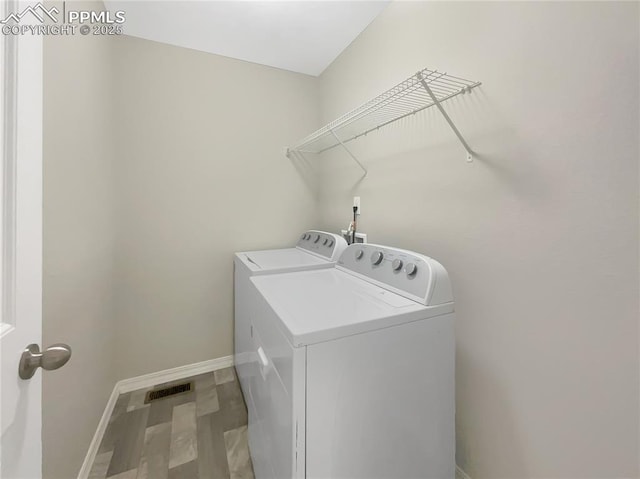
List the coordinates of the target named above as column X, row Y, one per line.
column 301, row 36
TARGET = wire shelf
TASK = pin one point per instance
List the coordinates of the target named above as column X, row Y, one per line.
column 420, row 91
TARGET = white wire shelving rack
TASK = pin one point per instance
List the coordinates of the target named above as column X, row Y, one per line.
column 422, row 90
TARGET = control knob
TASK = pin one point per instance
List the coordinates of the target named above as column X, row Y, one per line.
column 396, row 265
column 317, row 239
column 376, row 258
column 411, row 269
column 359, row 254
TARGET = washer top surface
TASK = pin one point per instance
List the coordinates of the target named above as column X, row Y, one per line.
column 321, row 305
column 314, row 249
column 280, row 259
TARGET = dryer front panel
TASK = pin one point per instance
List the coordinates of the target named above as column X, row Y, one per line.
column 277, row 389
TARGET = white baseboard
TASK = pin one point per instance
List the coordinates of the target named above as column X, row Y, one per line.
column 97, row 437
column 140, row 382
column 460, row 474
column 148, row 380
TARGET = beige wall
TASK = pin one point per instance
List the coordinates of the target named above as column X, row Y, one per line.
column 160, row 162
column 78, row 244
column 201, row 173
column 539, row 234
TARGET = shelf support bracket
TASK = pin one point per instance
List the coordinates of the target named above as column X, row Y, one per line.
column 349, row 153
column 446, row 117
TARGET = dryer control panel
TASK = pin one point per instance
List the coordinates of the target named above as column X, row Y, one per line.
column 407, row 273
column 327, row 245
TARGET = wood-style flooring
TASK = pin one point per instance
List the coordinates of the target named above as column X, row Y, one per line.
column 201, row 434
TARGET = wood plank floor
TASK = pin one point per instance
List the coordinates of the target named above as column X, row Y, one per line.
column 201, row 434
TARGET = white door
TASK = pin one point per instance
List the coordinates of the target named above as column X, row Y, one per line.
column 21, row 272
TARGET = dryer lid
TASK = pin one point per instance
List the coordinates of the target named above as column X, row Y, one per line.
column 321, row 305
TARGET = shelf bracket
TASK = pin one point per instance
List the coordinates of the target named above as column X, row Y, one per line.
column 446, row 117
column 349, row 153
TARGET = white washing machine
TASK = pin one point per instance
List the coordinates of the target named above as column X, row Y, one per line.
column 314, row 250
column 356, row 369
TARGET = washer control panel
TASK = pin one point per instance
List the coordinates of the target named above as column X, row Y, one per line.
column 410, row 274
column 325, row 244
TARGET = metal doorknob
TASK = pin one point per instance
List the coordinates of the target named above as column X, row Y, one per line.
column 53, row 357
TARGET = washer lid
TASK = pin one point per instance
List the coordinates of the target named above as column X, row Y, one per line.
column 314, row 249
column 321, row 305
column 269, row 261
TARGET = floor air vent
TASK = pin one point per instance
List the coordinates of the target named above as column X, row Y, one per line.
column 166, row 392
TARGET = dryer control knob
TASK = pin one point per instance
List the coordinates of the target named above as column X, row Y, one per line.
column 377, row 257
column 325, row 242
column 303, row 237
column 411, row 269
column 330, row 244
column 359, row 254
column 317, row 239
column 307, row 237
column 396, row 265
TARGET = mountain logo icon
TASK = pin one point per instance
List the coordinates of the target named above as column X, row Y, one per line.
column 38, row 11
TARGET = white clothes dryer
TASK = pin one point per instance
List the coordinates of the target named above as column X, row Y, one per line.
column 356, row 369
